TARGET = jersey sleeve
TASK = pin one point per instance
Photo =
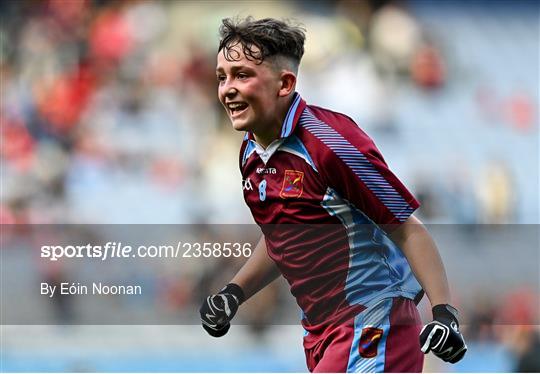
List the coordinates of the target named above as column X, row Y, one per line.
column 353, row 166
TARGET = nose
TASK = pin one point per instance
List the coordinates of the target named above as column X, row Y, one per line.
column 228, row 90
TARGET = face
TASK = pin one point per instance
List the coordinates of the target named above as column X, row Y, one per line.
column 248, row 91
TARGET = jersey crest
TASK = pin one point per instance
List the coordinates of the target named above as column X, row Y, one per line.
column 369, row 341
column 292, row 184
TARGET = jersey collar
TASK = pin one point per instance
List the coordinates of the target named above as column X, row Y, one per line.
column 291, row 119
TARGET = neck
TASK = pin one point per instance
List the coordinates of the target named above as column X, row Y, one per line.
column 271, row 132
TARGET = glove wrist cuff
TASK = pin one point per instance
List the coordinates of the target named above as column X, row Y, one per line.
column 445, row 311
column 236, row 291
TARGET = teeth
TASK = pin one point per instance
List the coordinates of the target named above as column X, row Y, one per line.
column 235, row 105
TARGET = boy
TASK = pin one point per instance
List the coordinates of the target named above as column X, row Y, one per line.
column 337, row 224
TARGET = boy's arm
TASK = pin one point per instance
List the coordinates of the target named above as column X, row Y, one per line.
column 258, row 271
column 423, row 257
column 218, row 310
column 442, row 335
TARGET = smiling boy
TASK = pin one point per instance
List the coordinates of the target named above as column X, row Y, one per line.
column 336, row 222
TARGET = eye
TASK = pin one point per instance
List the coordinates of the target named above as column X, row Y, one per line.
column 242, row 75
column 221, row 78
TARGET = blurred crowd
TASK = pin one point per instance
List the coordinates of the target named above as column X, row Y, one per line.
column 109, row 111
column 102, row 124
column 109, row 115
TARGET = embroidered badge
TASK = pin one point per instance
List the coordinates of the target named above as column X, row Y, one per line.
column 292, row 184
column 369, row 341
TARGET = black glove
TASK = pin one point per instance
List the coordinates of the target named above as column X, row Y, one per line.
column 442, row 336
column 218, row 310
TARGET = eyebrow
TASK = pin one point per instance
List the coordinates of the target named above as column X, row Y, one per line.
column 234, row 68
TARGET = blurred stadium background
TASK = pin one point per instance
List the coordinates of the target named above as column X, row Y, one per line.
column 109, row 115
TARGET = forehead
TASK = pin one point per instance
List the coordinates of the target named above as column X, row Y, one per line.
column 238, row 59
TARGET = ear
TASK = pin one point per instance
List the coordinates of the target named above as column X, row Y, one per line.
column 288, row 83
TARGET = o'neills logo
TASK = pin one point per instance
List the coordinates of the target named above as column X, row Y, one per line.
column 246, row 185
column 292, row 184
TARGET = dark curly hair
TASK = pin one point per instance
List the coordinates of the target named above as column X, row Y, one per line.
column 262, row 39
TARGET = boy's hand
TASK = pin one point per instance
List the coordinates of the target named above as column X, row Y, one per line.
column 218, row 310
column 442, row 336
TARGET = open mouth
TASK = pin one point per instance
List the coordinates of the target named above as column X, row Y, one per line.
column 236, row 108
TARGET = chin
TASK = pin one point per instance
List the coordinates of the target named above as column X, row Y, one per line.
column 241, row 126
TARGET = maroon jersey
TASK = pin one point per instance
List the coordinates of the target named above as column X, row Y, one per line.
column 320, row 193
